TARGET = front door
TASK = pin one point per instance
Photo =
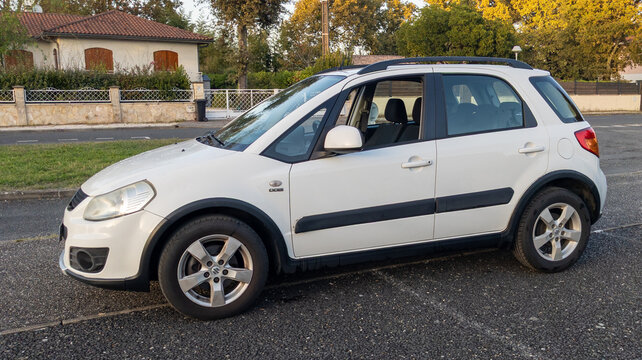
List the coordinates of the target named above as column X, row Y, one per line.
column 377, row 197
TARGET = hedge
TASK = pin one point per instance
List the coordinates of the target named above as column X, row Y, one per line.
column 78, row 79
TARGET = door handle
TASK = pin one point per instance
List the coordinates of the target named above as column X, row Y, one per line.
column 530, row 150
column 416, row 164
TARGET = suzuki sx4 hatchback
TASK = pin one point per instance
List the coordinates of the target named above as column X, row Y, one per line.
column 397, row 158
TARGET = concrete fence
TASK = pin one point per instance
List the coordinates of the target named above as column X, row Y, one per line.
column 87, row 106
column 20, row 107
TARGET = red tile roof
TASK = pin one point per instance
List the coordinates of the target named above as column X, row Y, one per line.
column 36, row 23
column 112, row 24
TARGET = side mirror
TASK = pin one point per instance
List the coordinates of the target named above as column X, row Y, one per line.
column 343, row 139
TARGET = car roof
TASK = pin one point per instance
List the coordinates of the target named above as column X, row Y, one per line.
column 442, row 68
column 437, row 63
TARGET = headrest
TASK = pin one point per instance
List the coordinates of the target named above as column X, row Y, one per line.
column 416, row 111
column 396, row 111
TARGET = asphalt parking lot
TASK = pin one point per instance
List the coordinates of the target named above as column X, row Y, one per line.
column 472, row 305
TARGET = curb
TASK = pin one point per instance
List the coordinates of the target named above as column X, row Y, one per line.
column 37, row 194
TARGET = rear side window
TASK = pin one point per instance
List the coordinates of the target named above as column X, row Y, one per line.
column 479, row 103
column 556, row 98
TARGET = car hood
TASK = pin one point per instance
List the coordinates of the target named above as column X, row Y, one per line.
column 161, row 162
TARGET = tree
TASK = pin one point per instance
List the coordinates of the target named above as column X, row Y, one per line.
column 13, row 36
column 246, row 14
column 461, row 31
column 261, row 55
column 367, row 25
column 573, row 39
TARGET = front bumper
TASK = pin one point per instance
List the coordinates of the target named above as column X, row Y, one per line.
column 125, row 237
column 138, row 283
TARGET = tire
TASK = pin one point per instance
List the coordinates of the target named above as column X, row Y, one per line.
column 544, row 241
column 213, row 267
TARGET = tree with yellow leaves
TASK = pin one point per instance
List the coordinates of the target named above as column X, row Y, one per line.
column 367, row 25
column 574, row 39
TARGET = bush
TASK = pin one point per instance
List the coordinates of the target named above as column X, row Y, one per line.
column 139, row 77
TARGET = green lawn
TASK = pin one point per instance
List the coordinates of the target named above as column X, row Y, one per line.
column 57, row 166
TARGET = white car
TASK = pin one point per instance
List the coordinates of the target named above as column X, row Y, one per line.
column 398, row 158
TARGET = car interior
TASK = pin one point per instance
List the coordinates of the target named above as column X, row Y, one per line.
column 480, row 103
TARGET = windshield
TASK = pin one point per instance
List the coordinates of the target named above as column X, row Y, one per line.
column 241, row 132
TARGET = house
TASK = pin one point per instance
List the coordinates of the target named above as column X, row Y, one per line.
column 110, row 41
column 371, row 59
column 632, row 73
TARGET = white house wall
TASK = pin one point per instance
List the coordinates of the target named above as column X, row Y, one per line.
column 126, row 53
column 42, row 53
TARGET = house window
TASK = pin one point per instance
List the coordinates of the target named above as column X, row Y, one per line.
column 18, row 58
column 55, row 56
column 165, row 60
column 99, row 59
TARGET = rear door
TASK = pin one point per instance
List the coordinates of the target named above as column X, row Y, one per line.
column 490, row 150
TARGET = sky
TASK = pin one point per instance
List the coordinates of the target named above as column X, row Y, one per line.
column 201, row 11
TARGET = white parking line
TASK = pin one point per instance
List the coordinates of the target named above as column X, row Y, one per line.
column 105, row 138
column 140, row 137
column 426, row 300
column 26, row 141
column 617, row 126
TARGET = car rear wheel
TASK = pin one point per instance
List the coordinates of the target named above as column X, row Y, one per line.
column 213, row 267
column 553, row 231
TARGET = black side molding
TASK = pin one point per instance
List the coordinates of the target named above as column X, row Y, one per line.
column 404, row 210
column 474, row 200
column 365, row 215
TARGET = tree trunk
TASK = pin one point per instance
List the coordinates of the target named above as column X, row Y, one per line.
column 243, row 56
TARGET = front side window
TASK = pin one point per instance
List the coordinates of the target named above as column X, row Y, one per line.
column 244, row 130
column 477, row 103
column 386, row 112
column 556, row 98
column 297, row 143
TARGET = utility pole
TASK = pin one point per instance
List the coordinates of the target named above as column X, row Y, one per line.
column 324, row 28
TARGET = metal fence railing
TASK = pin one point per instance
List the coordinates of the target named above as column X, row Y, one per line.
column 55, row 95
column 6, row 96
column 600, row 88
column 145, row 95
column 236, row 100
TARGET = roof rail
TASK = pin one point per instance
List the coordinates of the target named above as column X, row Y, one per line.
column 339, row 68
column 383, row 65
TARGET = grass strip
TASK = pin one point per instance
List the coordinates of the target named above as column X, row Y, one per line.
column 57, row 166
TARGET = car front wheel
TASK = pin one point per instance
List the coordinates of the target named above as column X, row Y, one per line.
column 213, row 267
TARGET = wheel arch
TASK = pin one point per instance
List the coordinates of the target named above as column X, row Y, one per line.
column 576, row 182
column 251, row 215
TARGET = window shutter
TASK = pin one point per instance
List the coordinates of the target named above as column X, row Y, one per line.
column 99, row 58
column 19, row 58
column 165, row 60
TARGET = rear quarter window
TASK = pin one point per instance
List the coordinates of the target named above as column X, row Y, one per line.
column 556, row 98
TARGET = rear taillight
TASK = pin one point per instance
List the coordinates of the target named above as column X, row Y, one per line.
column 588, row 140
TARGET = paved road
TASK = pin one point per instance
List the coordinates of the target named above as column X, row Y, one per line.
column 480, row 305
column 71, row 136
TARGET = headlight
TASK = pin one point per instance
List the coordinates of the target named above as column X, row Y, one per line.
column 123, row 201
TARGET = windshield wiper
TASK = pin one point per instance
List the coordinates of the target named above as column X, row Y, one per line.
column 211, row 137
